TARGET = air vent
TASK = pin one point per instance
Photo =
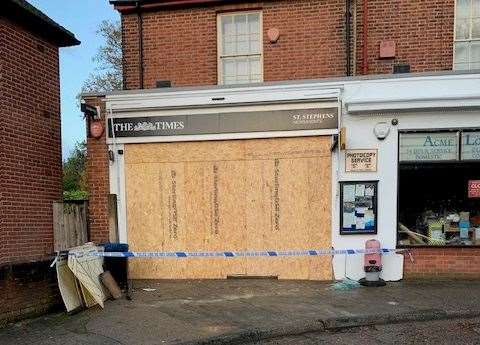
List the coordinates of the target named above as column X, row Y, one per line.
column 401, row 68
column 163, row 83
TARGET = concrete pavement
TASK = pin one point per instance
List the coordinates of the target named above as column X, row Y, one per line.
column 238, row 311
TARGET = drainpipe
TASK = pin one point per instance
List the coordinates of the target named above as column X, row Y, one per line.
column 365, row 36
column 140, row 42
column 348, row 17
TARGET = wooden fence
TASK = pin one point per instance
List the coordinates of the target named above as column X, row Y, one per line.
column 70, row 225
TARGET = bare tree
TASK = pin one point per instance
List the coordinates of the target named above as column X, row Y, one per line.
column 108, row 73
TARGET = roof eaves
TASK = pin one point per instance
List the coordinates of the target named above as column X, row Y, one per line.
column 32, row 18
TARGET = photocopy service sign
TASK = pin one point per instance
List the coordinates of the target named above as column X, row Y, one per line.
column 471, row 146
column 439, row 146
column 221, row 123
column 360, row 160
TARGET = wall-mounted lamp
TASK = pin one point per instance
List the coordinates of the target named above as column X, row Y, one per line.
column 91, row 111
column 93, row 115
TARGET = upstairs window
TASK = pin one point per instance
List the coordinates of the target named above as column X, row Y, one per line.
column 240, row 45
column 467, row 35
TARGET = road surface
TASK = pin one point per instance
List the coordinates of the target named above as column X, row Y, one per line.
column 450, row 332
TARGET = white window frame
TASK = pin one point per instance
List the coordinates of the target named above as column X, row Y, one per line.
column 468, row 40
column 220, row 43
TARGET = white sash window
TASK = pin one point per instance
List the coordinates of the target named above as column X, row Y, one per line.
column 240, row 59
column 467, row 35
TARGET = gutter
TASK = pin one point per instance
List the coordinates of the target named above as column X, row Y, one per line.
column 365, row 37
column 348, row 17
column 130, row 6
column 138, row 7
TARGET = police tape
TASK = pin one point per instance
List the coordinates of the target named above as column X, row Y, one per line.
column 235, row 254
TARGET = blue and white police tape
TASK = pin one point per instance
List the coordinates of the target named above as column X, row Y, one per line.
column 234, row 254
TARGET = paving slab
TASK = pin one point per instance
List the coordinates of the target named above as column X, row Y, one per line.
column 237, row 311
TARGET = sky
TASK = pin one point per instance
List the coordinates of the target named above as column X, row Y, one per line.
column 81, row 17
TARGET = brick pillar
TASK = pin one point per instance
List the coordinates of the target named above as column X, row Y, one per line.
column 97, row 179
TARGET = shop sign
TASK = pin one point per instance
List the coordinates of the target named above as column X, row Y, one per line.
column 361, row 160
column 438, row 146
column 474, row 189
column 222, row 123
column 471, row 146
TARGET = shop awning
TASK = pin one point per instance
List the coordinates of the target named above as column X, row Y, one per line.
column 219, row 96
column 359, row 95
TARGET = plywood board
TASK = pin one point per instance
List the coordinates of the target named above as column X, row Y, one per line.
column 87, row 269
column 68, row 286
column 261, row 194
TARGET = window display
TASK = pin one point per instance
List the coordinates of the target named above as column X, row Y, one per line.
column 438, row 189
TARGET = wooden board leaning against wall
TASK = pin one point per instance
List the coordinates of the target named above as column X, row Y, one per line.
column 259, row 194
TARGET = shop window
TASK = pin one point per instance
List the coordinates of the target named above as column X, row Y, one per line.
column 240, row 49
column 467, row 35
column 439, row 189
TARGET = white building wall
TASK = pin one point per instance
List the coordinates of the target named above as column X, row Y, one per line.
column 360, row 136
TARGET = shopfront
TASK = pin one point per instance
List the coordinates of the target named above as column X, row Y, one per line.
column 311, row 165
column 224, row 169
column 425, row 134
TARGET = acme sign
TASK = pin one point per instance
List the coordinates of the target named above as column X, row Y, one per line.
column 441, row 146
column 222, row 123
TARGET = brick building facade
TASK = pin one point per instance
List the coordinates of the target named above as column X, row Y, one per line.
column 312, row 43
column 178, row 41
column 30, row 156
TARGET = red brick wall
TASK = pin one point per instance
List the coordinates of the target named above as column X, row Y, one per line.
column 27, row 290
column 312, row 39
column 443, row 263
column 311, row 43
column 31, row 174
column 130, row 52
column 30, row 170
column 181, row 44
column 422, row 31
